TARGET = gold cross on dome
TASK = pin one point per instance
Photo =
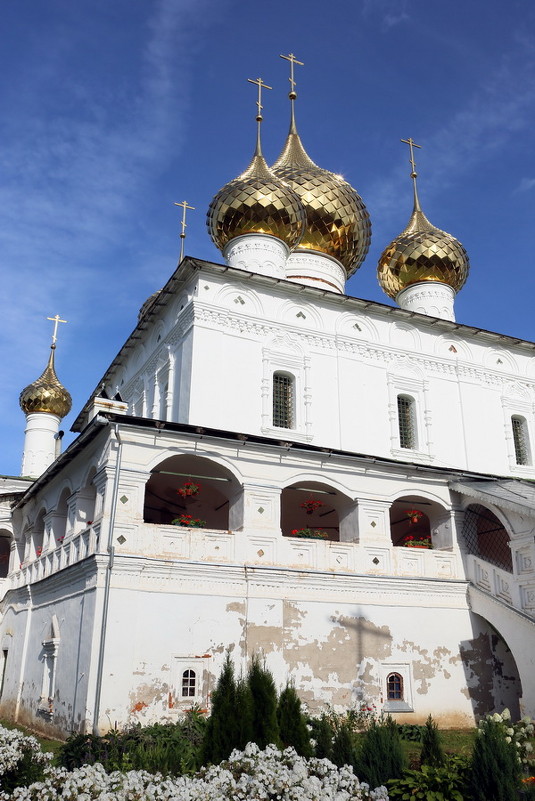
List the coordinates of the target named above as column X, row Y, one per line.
column 261, row 85
column 57, row 319
column 292, row 59
column 411, row 143
column 183, row 223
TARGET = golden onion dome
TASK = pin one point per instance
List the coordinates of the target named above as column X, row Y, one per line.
column 337, row 221
column 422, row 252
column 47, row 394
column 256, row 202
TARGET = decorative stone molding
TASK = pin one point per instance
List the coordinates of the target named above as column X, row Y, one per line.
column 257, row 253
column 428, row 297
column 317, row 270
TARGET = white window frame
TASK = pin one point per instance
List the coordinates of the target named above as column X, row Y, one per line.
column 199, row 665
column 404, row 670
column 297, row 367
column 514, row 407
column 418, row 391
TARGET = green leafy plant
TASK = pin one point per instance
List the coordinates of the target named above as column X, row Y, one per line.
column 411, row 732
column 428, row 784
column 310, row 534
column 496, row 766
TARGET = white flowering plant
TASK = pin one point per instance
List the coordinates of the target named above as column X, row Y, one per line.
column 249, row 775
column 516, row 733
column 21, row 758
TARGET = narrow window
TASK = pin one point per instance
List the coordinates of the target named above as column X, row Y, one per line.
column 394, row 687
column 406, row 422
column 189, row 682
column 3, row 673
column 283, row 390
column 521, row 440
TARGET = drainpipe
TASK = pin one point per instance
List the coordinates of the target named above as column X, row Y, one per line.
column 107, row 583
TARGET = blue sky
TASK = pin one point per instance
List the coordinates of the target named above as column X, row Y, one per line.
column 114, row 109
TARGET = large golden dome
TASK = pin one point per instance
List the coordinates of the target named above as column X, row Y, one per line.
column 257, row 202
column 46, row 394
column 422, row 252
column 337, row 222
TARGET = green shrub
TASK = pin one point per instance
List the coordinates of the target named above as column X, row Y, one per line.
column 495, row 769
column 168, row 748
column 411, row 732
column 244, row 705
column 428, row 784
column 292, row 725
column 264, row 698
column 343, row 748
column 222, row 730
column 380, row 757
column 432, row 753
column 322, row 733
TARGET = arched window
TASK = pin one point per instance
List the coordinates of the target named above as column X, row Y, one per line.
column 394, row 687
column 407, row 422
column 283, row 400
column 189, row 684
column 521, row 440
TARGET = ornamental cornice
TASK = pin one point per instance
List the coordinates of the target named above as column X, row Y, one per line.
column 373, row 353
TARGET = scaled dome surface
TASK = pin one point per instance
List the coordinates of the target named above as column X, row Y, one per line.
column 47, row 394
column 422, row 252
column 337, row 221
column 257, row 202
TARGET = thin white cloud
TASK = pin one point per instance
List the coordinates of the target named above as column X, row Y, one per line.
column 526, row 185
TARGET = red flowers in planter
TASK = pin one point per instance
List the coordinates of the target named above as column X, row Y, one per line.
column 188, row 521
column 415, row 515
column 419, row 541
column 311, row 505
column 188, row 489
column 310, row 534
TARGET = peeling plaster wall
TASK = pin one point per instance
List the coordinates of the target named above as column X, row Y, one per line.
column 22, row 633
column 336, row 645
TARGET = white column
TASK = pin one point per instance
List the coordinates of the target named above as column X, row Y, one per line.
column 428, row 297
column 316, row 269
column 257, row 253
column 39, row 443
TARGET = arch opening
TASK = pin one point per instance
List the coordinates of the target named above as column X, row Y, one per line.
column 193, row 491
column 485, row 535
column 417, row 522
column 312, row 510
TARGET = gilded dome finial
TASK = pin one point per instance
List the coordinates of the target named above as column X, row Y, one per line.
column 47, row 394
column 292, row 94
column 414, row 175
column 183, row 224
column 257, row 201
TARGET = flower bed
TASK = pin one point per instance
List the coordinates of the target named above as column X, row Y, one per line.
column 251, row 775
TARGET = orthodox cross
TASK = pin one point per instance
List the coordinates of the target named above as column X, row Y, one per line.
column 57, row 319
column 411, row 143
column 261, row 85
column 292, row 59
column 185, row 206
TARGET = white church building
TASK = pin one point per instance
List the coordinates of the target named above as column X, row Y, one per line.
column 273, row 467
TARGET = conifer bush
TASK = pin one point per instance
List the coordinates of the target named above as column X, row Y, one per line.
column 496, row 765
column 343, row 748
column 380, row 756
column 432, row 753
column 222, row 730
column 264, row 699
column 322, row 734
column 292, row 725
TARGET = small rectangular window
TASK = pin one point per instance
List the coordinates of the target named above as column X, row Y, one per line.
column 282, row 401
column 521, row 440
column 406, row 422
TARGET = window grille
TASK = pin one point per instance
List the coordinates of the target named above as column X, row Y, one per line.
column 521, row 441
column 485, row 536
column 283, row 390
column 394, row 687
column 406, row 422
column 189, row 681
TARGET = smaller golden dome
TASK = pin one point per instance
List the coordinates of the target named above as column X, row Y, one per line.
column 257, row 202
column 421, row 252
column 47, row 394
